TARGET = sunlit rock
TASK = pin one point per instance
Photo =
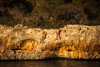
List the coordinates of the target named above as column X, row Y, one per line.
column 23, row 43
column 28, row 45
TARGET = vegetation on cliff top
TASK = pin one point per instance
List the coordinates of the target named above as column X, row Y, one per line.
column 49, row 13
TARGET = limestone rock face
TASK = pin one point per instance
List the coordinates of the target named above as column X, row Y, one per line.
column 28, row 44
column 22, row 43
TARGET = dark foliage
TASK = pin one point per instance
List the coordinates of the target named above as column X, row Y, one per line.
column 49, row 13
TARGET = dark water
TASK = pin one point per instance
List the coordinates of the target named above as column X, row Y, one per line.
column 50, row 63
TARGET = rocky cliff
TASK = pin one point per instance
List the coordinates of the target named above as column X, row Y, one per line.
column 23, row 43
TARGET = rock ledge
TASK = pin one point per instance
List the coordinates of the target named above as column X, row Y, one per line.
column 22, row 43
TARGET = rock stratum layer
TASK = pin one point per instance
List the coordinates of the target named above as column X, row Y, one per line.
column 22, row 43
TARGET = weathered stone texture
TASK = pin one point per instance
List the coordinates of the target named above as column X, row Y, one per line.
column 77, row 42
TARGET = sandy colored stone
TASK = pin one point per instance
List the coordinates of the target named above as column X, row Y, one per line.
column 28, row 45
column 77, row 42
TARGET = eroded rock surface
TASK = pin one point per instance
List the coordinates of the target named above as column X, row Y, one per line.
column 22, row 43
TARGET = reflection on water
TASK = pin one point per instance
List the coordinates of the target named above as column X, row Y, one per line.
column 50, row 63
